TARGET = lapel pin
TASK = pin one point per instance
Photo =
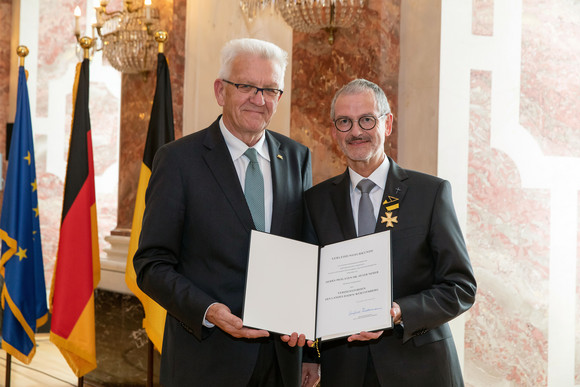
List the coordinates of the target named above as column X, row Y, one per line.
column 280, row 157
column 397, row 190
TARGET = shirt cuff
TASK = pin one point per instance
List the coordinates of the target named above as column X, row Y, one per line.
column 206, row 323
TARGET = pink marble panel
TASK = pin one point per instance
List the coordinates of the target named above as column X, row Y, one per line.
column 370, row 50
column 6, row 21
column 507, row 231
column 550, row 81
column 482, row 17
column 55, row 38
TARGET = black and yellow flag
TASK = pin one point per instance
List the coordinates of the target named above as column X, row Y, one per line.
column 160, row 131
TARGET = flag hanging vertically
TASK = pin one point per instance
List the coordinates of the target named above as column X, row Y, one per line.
column 160, row 131
column 24, row 290
column 77, row 268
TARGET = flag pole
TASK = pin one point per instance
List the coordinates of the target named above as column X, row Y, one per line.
column 8, row 369
column 22, row 52
column 86, row 44
column 150, row 350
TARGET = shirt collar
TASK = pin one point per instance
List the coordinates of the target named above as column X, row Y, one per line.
column 237, row 147
column 379, row 175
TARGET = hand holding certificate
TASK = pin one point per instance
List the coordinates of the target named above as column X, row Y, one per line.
column 330, row 292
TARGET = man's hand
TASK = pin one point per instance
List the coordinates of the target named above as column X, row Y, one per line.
column 396, row 313
column 222, row 317
column 294, row 339
column 365, row 336
column 310, row 375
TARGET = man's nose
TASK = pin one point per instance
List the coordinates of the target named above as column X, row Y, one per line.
column 258, row 97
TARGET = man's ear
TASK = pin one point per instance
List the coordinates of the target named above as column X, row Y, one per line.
column 388, row 124
column 219, row 90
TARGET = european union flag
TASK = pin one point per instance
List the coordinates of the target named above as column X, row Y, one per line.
column 24, row 291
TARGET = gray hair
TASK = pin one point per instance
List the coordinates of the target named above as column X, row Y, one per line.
column 256, row 47
column 362, row 86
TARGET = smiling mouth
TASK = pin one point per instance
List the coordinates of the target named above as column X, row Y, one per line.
column 254, row 111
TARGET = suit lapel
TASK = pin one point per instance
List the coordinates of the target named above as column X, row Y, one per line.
column 340, row 197
column 393, row 196
column 279, row 168
column 219, row 161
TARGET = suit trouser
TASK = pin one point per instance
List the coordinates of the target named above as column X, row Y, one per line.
column 267, row 371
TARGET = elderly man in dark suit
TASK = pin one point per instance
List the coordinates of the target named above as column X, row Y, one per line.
column 433, row 279
column 207, row 191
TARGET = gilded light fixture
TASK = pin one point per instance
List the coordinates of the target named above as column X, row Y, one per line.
column 310, row 15
column 126, row 37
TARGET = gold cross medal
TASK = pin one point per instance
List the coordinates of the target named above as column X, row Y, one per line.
column 391, row 204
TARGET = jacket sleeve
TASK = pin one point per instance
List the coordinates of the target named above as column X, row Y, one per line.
column 453, row 286
column 157, row 258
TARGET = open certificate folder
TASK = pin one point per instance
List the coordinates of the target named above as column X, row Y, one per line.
column 347, row 291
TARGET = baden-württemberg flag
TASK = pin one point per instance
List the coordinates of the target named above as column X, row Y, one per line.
column 160, row 132
column 77, row 269
column 24, row 291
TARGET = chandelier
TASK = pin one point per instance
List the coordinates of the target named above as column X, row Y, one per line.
column 126, row 37
column 310, row 15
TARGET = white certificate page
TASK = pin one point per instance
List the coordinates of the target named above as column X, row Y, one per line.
column 355, row 290
column 281, row 285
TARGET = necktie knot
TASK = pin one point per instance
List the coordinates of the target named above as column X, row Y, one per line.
column 252, row 154
column 365, row 186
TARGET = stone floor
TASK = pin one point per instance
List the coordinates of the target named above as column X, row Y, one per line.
column 121, row 345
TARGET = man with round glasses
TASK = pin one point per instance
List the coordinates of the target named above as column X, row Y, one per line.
column 207, row 191
column 433, row 279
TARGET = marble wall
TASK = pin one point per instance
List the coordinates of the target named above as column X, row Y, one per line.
column 508, row 128
column 369, row 50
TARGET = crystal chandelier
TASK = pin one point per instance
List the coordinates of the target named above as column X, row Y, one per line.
column 126, row 37
column 310, row 15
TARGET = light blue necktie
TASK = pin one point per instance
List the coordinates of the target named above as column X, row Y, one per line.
column 366, row 215
column 254, row 189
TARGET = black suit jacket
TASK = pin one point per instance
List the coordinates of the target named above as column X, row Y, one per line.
column 433, row 281
column 193, row 252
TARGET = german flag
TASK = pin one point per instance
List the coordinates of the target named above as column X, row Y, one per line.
column 77, row 269
column 160, row 131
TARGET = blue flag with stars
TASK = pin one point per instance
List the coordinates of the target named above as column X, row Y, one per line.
column 24, row 292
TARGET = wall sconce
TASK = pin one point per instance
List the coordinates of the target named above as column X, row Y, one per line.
column 126, row 37
column 310, row 15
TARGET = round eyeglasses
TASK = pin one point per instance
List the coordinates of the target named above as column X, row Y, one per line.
column 267, row 92
column 344, row 124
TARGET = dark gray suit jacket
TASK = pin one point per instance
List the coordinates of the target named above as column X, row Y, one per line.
column 433, row 281
column 193, row 252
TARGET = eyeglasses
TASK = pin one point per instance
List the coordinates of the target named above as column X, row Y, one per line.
column 344, row 124
column 267, row 92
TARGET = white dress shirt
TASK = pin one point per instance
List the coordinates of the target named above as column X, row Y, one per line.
column 237, row 148
column 379, row 177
